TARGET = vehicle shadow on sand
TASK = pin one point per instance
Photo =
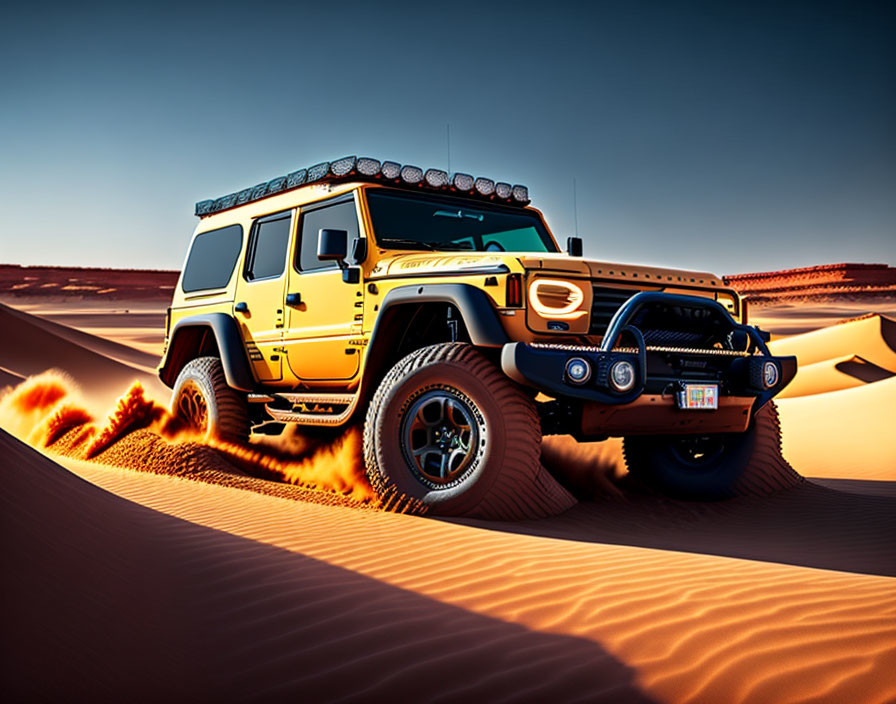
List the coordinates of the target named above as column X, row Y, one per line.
column 808, row 525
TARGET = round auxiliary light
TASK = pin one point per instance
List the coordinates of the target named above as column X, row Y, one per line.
column 243, row 196
column 578, row 370
column 275, row 185
column 484, row 186
column 503, row 190
column 204, row 207
column 520, row 194
column 622, row 375
column 411, row 174
column 436, row 178
column 296, row 178
column 391, row 169
column 318, row 171
column 769, row 374
column 463, row 182
column 343, row 166
column 368, row 167
column 259, row 191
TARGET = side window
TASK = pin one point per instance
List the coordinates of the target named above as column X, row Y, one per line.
column 266, row 257
column 212, row 258
column 334, row 215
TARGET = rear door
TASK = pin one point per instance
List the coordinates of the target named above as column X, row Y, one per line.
column 321, row 328
column 258, row 306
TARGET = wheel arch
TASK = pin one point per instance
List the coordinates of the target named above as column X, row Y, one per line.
column 209, row 334
column 476, row 317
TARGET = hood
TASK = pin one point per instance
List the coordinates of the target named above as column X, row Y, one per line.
column 405, row 264
column 623, row 273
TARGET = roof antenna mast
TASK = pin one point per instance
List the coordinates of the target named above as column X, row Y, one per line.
column 448, row 134
column 575, row 206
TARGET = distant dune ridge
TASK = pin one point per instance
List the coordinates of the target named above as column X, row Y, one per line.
column 139, row 584
column 826, row 282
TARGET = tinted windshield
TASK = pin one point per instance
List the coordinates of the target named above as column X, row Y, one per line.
column 409, row 221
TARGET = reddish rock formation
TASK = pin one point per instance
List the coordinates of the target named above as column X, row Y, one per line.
column 830, row 281
column 86, row 283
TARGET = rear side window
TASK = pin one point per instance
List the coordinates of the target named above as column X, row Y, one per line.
column 267, row 247
column 212, row 258
column 332, row 215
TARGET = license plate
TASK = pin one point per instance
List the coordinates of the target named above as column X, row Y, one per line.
column 697, row 397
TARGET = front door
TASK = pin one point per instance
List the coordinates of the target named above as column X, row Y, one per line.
column 325, row 315
column 258, row 307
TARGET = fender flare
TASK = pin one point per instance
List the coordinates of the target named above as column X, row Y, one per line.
column 473, row 304
column 230, row 345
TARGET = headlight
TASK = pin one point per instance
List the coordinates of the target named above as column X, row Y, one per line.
column 622, row 375
column 554, row 298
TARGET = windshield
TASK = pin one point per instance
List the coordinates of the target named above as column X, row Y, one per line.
column 410, row 221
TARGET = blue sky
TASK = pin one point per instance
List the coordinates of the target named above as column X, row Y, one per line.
column 723, row 136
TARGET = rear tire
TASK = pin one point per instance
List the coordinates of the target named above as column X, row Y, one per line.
column 203, row 402
column 448, row 429
column 710, row 468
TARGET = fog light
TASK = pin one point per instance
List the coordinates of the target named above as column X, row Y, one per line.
column 769, row 374
column 622, row 375
column 578, row 371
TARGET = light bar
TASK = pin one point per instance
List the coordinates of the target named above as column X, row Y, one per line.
column 351, row 168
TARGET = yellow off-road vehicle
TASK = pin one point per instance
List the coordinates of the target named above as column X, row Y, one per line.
column 439, row 311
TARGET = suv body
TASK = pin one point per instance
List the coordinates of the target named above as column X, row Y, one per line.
column 309, row 293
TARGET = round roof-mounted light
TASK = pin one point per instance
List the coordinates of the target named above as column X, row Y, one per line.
column 411, row 174
column 462, row 182
column 503, row 190
column 318, row 171
column 520, row 194
column 367, row 166
column 484, row 186
column 296, row 178
column 391, row 170
column 436, row 178
column 343, row 166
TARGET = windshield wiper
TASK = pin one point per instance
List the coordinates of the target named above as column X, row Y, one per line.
column 451, row 245
column 408, row 243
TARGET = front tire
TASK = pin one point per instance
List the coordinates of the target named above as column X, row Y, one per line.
column 203, row 402
column 448, row 429
column 714, row 467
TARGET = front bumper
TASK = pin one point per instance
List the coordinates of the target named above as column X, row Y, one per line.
column 595, row 408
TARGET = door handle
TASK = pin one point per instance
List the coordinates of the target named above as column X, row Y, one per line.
column 241, row 307
column 294, row 300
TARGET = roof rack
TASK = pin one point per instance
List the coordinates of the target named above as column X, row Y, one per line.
column 350, row 168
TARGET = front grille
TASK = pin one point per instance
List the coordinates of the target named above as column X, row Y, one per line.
column 607, row 300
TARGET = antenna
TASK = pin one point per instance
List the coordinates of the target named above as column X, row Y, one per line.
column 448, row 134
column 575, row 206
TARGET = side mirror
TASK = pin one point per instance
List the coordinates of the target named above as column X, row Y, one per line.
column 359, row 250
column 573, row 246
column 332, row 245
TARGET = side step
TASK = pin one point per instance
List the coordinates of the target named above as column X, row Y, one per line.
column 306, row 417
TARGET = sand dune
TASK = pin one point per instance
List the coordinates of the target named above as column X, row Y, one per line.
column 666, row 625
column 32, row 345
column 847, row 434
column 147, row 585
column 872, row 338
